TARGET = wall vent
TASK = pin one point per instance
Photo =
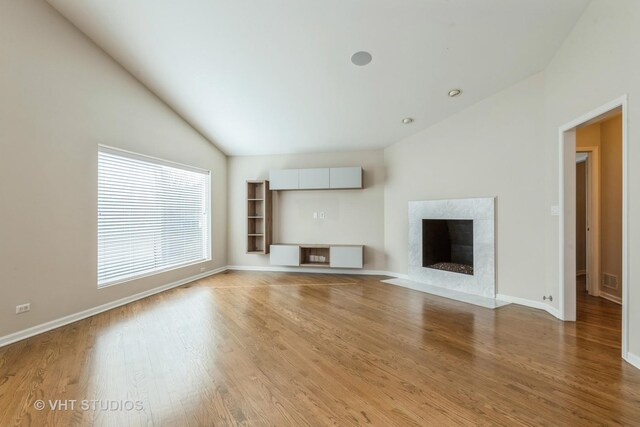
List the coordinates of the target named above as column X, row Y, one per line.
column 609, row 281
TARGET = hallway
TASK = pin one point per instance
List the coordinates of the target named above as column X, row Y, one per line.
column 598, row 318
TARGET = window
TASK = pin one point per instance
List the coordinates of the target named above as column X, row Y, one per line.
column 153, row 216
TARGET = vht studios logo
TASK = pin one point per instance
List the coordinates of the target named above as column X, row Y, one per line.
column 89, row 405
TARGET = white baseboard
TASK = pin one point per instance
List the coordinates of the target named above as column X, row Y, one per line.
column 530, row 303
column 53, row 324
column 315, row 270
column 610, row 297
column 632, row 359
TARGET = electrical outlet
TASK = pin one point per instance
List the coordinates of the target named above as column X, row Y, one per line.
column 202, row 269
column 23, row 308
column 321, row 215
column 315, row 215
column 555, row 210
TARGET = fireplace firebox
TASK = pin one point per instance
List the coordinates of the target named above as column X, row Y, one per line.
column 447, row 244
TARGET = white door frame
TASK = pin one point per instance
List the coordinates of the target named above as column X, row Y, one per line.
column 567, row 200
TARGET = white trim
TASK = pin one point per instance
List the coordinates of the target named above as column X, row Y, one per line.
column 633, row 359
column 53, row 324
column 563, row 134
column 625, row 228
column 317, row 270
column 611, row 298
column 617, row 103
column 530, row 303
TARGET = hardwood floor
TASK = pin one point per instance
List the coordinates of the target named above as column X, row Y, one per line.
column 245, row 348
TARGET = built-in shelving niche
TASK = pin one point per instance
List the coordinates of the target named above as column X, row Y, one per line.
column 258, row 217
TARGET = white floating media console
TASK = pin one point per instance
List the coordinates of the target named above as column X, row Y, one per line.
column 310, row 255
column 316, row 178
column 334, row 256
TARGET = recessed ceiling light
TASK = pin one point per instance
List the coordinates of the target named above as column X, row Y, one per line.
column 361, row 58
column 454, row 92
column 407, row 120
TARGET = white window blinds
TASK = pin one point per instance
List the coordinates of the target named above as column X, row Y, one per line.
column 153, row 216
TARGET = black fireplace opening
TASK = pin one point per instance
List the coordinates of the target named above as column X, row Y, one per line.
column 447, row 244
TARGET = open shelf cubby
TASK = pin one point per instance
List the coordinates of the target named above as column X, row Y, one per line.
column 255, row 208
column 314, row 256
column 258, row 217
column 255, row 244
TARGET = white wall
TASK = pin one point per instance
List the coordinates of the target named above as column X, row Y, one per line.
column 490, row 149
column 61, row 96
column 596, row 64
column 352, row 216
column 507, row 145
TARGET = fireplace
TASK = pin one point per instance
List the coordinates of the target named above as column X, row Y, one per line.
column 452, row 244
column 447, row 244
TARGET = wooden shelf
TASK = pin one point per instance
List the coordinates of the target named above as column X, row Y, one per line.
column 315, row 264
column 258, row 217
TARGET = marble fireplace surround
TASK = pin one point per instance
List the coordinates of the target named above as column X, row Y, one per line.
column 482, row 212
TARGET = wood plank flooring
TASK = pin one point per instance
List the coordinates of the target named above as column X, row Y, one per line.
column 244, row 348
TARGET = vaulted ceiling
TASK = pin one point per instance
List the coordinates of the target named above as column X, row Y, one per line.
column 270, row 77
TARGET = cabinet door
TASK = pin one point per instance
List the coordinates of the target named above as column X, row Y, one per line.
column 345, row 256
column 283, row 179
column 311, row 179
column 346, row 177
column 285, row 255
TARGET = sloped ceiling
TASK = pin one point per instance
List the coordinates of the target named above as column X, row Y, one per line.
column 272, row 77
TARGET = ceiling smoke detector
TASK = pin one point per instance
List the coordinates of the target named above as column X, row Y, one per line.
column 454, row 92
column 361, row 58
column 407, row 120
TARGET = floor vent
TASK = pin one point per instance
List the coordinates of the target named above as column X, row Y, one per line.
column 610, row 281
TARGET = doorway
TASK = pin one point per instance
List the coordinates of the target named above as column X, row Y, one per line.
column 604, row 271
column 588, row 201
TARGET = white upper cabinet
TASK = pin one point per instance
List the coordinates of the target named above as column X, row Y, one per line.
column 284, row 179
column 345, row 177
column 315, row 178
column 311, row 179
